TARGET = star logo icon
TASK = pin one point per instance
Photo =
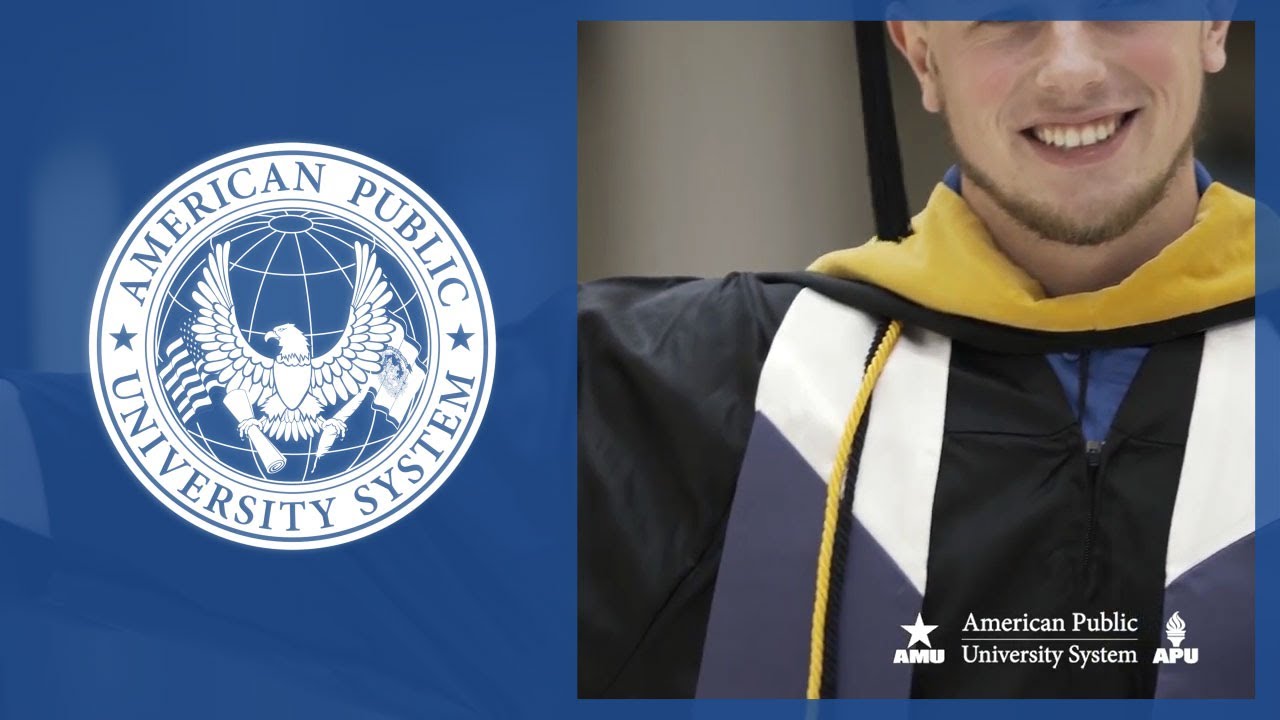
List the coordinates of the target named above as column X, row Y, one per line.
column 919, row 632
column 459, row 339
column 124, row 338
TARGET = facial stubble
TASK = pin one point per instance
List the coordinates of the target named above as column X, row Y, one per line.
column 1049, row 223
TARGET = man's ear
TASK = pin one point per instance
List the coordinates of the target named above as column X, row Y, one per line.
column 1213, row 44
column 911, row 39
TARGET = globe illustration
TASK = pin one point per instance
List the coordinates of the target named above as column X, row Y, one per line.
column 292, row 266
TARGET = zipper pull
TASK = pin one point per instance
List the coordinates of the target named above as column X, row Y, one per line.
column 1093, row 452
column 1092, row 459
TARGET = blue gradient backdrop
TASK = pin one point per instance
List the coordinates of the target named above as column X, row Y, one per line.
column 114, row 607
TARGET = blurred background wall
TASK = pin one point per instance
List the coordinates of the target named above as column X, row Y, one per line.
column 717, row 146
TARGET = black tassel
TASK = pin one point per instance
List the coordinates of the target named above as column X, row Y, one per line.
column 884, row 161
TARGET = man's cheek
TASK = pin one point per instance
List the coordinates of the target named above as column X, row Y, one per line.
column 1161, row 59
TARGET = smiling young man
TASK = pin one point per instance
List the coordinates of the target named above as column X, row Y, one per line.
column 1006, row 451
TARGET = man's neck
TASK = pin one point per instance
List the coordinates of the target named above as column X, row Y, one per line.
column 1063, row 269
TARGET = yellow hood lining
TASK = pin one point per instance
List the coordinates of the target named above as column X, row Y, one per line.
column 951, row 265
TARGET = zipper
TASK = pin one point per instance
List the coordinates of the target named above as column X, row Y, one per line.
column 1093, row 462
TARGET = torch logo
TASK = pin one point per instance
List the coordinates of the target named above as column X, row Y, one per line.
column 1176, row 630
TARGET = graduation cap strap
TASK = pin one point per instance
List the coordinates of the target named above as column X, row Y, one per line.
column 884, row 160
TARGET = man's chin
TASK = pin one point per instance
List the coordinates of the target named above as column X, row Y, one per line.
column 1079, row 187
column 1076, row 210
column 1083, row 220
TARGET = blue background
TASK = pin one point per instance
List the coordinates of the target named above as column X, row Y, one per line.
column 467, row 607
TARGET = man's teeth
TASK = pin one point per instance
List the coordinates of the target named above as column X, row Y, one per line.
column 1071, row 136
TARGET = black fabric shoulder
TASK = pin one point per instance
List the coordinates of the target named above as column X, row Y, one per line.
column 667, row 373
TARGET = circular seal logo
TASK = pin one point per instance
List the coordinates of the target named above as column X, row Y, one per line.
column 292, row 346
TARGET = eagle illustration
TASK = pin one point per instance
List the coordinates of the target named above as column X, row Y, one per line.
column 293, row 388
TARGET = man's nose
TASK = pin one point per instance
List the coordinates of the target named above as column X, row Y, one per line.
column 1073, row 63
